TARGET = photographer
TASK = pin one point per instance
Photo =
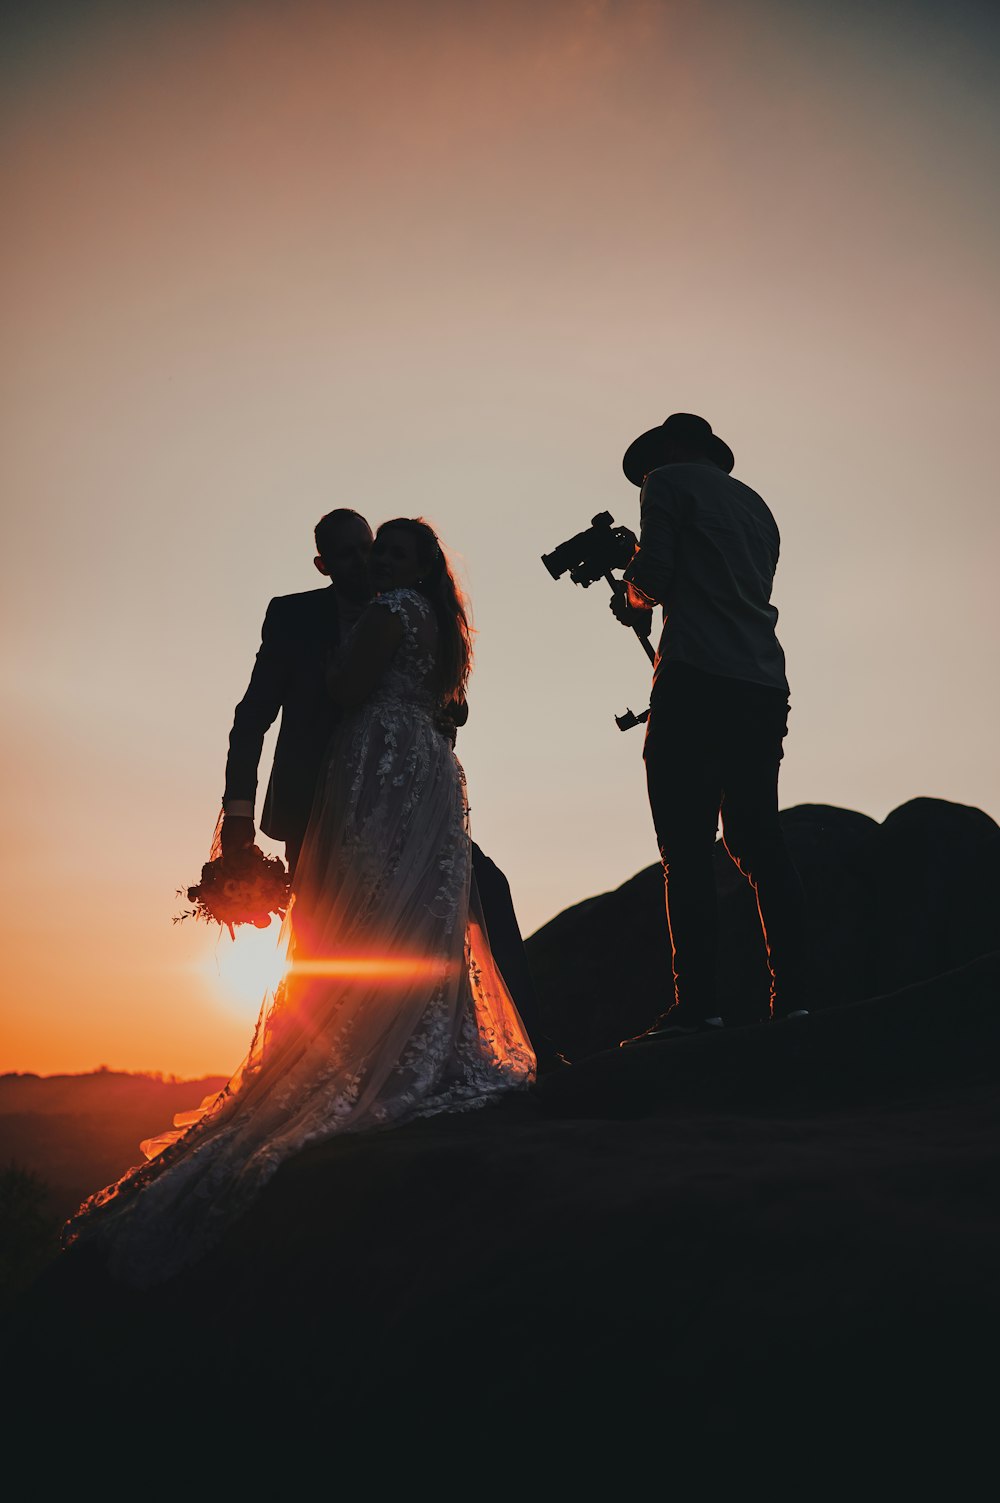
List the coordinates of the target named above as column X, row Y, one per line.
column 707, row 553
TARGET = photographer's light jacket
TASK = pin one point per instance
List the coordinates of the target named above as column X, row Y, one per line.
column 708, row 549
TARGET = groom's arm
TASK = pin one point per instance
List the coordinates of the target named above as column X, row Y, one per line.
column 254, row 715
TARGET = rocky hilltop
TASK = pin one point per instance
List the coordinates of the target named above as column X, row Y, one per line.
column 775, row 1243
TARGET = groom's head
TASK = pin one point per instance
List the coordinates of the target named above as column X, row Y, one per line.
column 343, row 543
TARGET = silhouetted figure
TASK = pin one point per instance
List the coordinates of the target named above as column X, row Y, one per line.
column 289, row 678
column 392, row 1007
column 708, row 549
column 297, row 638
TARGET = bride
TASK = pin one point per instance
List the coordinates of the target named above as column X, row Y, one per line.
column 392, row 1007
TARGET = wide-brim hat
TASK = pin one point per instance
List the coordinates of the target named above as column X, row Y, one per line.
column 681, row 428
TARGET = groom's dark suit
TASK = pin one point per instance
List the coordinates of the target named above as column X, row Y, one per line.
column 289, row 677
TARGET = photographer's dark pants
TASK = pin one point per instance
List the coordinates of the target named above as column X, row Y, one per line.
column 714, row 745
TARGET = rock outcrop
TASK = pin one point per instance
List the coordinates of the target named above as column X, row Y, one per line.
column 890, row 905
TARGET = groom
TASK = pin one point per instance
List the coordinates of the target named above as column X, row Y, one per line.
column 289, row 677
column 298, row 634
column 718, row 712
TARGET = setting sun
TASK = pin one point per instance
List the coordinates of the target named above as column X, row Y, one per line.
column 243, row 969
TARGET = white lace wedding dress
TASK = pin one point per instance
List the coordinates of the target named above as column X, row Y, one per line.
column 392, row 1007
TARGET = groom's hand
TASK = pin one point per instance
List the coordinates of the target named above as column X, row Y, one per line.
column 236, row 834
column 448, row 718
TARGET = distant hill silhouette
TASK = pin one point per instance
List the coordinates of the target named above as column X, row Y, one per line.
column 78, row 1133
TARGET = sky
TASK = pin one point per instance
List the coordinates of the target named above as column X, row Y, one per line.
column 448, row 259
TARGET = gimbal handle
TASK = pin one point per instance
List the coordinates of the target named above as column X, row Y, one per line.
column 647, row 646
column 629, row 719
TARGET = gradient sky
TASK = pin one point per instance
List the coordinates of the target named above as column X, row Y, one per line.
column 264, row 259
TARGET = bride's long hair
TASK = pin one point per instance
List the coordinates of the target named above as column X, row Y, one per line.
column 438, row 584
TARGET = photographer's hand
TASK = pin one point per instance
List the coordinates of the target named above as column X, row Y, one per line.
column 624, row 608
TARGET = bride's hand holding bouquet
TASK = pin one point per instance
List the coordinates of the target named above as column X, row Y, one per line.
column 239, row 884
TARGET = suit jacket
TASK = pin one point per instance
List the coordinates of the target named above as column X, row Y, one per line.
column 288, row 677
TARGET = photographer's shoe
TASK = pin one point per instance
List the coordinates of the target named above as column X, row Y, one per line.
column 664, row 1029
column 790, row 1017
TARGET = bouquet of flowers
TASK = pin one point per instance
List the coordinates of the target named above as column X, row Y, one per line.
column 244, row 887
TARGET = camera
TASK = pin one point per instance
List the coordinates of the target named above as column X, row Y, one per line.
column 592, row 554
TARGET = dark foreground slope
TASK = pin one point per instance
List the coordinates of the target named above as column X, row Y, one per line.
column 782, row 1241
column 773, row 1251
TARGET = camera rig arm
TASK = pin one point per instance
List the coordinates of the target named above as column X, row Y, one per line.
column 591, row 555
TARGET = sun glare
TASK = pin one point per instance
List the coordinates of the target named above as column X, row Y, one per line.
column 244, row 968
column 370, row 967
